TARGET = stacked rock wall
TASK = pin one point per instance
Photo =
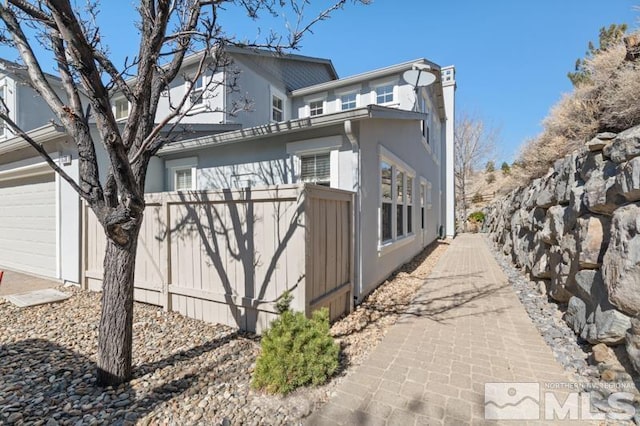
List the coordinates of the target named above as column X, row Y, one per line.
column 577, row 230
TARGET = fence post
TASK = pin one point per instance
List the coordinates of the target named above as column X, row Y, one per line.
column 166, row 273
column 83, row 245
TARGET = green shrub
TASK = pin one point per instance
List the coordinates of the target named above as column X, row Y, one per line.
column 477, row 217
column 296, row 351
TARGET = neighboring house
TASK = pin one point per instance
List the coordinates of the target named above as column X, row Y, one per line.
column 374, row 134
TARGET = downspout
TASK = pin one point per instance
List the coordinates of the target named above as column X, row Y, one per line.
column 357, row 178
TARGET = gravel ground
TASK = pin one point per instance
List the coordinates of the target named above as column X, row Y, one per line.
column 185, row 371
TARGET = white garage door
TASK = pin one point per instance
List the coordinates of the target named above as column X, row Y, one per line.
column 28, row 224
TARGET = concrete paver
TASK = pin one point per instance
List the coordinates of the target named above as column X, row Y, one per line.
column 465, row 328
column 16, row 283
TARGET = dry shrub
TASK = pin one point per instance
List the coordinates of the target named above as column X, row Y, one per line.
column 608, row 101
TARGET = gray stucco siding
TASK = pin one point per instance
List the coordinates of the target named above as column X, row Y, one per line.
column 403, row 140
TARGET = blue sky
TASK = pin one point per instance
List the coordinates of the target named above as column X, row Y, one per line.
column 511, row 56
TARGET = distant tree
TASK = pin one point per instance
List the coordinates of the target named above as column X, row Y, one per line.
column 608, row 37
column 490, row 178
column 491, row 167
column 505, row 168
column 473, row 142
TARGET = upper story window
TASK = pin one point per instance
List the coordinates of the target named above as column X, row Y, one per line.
column 122, row 108
column 316, row 168
column 197, row 92
column 384, row 94
column 348, row 101
column 316, row 108
column 277, row 108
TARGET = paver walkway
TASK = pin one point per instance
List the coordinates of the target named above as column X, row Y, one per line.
column 466, row 328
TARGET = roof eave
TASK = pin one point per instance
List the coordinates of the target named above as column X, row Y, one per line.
column 292, row 126
column 45, row 134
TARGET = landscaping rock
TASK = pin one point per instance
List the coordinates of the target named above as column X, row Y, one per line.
column 621, row 262
column 628, row 180
column 632, row 343
column 602, row 353
column 625, row 146
column 600, row 192
column 592, row 239
column 600, row 322
column 559, row 221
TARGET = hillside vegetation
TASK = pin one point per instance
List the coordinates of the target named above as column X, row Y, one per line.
column 605, row 98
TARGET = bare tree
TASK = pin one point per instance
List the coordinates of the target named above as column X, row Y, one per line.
column 474, row 142
column 170, row 30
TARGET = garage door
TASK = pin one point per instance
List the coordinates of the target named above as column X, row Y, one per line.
column 28, row 224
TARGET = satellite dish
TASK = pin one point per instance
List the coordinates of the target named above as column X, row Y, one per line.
column 418, row 78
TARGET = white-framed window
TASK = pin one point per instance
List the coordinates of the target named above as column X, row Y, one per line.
column 316, row 168
column 121, row 108
column 316, row 108
column 423, row 204
column 183, row 179
column 386, row 214
column 181, row 174
column 384, row 94
column 409, row 201
column 197, row 91
column 348, row 101
column 396, row 199
column 277, row 108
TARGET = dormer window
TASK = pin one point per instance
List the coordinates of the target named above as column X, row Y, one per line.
column 384, row 94
column 197, row 91
column 122, row 108
column 316, row 108
column 277, row 108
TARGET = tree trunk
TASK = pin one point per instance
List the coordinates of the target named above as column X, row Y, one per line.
column 115, row 335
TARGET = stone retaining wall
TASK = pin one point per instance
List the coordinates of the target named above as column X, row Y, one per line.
column 577, row 231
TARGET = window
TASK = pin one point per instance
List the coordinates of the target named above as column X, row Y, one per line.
column 400, row 203
column 181, row 174
column 316, row 168
column 122, row 108
column 183, row 179
column 396, row 198
column 384, row 94
column 409, row 192
column 348, row 101
column 423, row 191
column 316, row 108
column 277, row 109
column 197, row 92
column 387, row 202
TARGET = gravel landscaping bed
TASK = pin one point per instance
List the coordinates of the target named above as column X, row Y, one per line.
column 185, row 371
